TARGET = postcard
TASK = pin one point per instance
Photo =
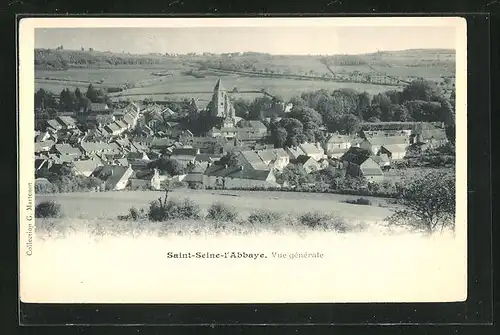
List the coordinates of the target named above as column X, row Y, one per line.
column 242, row 160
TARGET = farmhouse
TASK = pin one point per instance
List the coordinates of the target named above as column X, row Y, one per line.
column 275, row 158
column 394, row 151
column 53, row 126
column 250, row 160
column 185, row 156
column 358, row 163
column 428, row 136
column 195, row 175
column 85, row 167
column 67, row 122
column 149, row 179
column 225, row 177
column 383, row 161
column 115, row 177
column 310, row 164
column 98, row 108
column 43, row 147
column 313, row 150
column 66, row 150
column 336, row 145
column 374, row 144
column 294, row 152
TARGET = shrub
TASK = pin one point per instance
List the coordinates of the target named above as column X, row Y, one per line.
column 194, row 185
column 222, row 212
column 47, row 209
column 359, row 201
column 133, row 214
column 264, row 216
column 172, row 210
column 314, row 219
column 428, row 202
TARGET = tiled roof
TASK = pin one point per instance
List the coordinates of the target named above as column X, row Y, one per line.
column 88, row 165
column 386, row 140
column 54, row 124
column 356, row 155
column 67, row 121
column 236, row 172
column 98, row 106
column 66, row 149
column 185, row 151
column 252, row 158
column 295, row 152
column 395, row 147
column 43, row 146
column 371, row 168
column 311, row 149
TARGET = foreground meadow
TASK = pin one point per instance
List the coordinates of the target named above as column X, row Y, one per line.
column 98, row 213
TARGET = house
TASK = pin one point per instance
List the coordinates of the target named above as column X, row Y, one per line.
column 383, row 161
column 359, row 163
column 195, row 175
column 294, row 152
column 185, row 156
column 66, row 150
column 275, row 158
column 250, row 130
column 85, row 167
column 336, row 145
column 250, row 160
column 313, row 150
column 222, row 176
column 46, row 146
column 67, row 122
column 428, row 136
column 115, row 177
column 44, row 136
column 206, row 158
column 119, row 114
column 173, row 129
column 394, row 151
column 113, row 129
column 149, row 179
column 98, row 108
column 161, row 143
column 374, row 143
column 53, row 126
column 310, row 164
column 138, row 155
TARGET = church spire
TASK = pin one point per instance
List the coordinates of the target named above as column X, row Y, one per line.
column 218, row 86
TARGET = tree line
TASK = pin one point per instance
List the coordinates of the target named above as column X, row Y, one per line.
column 70, row 101
column 49, row 59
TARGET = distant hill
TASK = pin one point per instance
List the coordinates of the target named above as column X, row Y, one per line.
column 52, row 59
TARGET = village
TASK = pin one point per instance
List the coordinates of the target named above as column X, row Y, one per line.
column 137, row 145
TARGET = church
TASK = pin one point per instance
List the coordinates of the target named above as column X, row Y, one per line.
column 221, row 106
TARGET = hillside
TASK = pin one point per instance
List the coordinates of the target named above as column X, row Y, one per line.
column 51, row 59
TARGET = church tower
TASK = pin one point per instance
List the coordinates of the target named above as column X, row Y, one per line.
column 221, row 105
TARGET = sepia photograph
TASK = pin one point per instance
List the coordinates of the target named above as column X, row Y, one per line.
column 242, row 160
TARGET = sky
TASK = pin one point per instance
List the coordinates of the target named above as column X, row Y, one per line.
column 274, row 40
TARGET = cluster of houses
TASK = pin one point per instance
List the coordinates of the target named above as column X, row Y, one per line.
column 118, row 145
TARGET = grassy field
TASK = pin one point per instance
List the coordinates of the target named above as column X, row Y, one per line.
column 108, row 205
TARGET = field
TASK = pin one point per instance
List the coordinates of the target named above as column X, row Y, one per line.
column 431, row 65
column 108, row 205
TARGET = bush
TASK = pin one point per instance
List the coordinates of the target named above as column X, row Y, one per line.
column 134, row 214
column 264, row 216
column 47, row 209
column 172, row 210
column 222, row 212
column 314, row 219
column 324, row 221
column 194, row 185
column 359, row 201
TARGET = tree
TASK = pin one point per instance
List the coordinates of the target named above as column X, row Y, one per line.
column 350, row 124
column 293, row 175
column 241, row 108
column 421, row 89
column 428, row 202
column 91, row 93
column 168, row 166
column 426, row 111
column 279, row 136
